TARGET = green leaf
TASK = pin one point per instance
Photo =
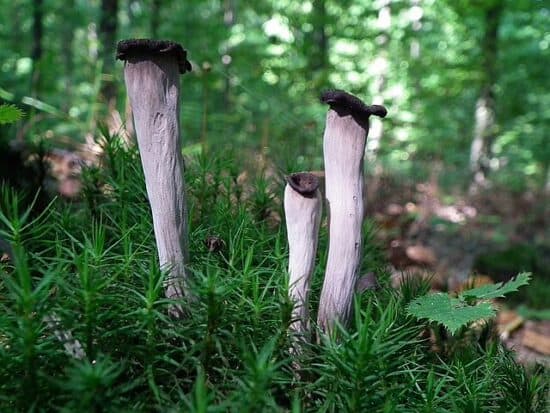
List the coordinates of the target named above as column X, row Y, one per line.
column 490, row 291
column 10, row 114
column 453, row 313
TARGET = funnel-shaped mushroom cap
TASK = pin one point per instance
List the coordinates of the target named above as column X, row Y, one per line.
column 304, row 183
column 346, row 104
column 141, row 48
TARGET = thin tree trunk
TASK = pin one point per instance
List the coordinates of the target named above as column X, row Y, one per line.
column 37, row 49
column 485, row 118
column 320, row 39
column 379, row 85
column 107, row 37
column 547, row 184
column 155, row 18
column 229, row 19
column 204, row 120
column 382, row 67
column 416, row 13
column 16, row 33
column 67, row 55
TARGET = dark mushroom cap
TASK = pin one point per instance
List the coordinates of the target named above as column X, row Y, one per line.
column 345, row 103
column 304, row 183
column 147, row 47
column 214, row 243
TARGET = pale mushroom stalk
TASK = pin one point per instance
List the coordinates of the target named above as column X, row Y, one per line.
column 345, row 136
column 303, row 206
column 151, row 72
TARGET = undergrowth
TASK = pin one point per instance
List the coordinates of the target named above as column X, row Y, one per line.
column 91, row 267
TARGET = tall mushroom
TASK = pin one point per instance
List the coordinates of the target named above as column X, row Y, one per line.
column 302, row 202
column 347, row 125
column 151, row 73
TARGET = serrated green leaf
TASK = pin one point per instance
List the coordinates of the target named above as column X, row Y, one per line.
column 10, row 114
column 490, row 291
column 453, row 313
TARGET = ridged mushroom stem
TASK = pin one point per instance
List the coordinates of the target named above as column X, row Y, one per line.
column 344, row 146
column 151, row 72
column 303, row 206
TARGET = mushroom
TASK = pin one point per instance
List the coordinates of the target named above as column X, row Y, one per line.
column 347, row 125
column 151, row 73
column 302, row 203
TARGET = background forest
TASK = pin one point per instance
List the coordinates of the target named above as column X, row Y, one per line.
column 464, row 81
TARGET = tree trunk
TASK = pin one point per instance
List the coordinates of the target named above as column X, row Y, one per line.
column 155, row 18
column 319, row 58
column 229, row 19
column 485, row 120
column 37, row 50
column 381, row 64
column 16, row 17
column 107, row 37
column 68, row 56
column 416, row 13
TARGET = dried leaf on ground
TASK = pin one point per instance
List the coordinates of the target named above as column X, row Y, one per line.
column 538, row 342
column 508, row 322
column 421, row 254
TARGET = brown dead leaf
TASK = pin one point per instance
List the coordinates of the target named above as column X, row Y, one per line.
column 420, row 254
column 394, row 210
column 367, row 282
column 399, row 275
column 273, row 218
column 474, row 282
column 242, row 178
column 397, row 254
column 411, row 208
column 507, row 322
column 538, row 342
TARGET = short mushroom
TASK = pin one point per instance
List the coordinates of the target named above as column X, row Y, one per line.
column 151, row 73
column 346, row 130
column 303, row 205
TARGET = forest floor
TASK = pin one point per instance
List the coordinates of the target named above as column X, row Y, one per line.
column 491, row 235
column 465, row 239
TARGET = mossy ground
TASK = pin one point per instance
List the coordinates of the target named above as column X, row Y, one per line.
column 93, row 264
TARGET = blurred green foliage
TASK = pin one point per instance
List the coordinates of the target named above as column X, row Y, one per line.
column 260, row 66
